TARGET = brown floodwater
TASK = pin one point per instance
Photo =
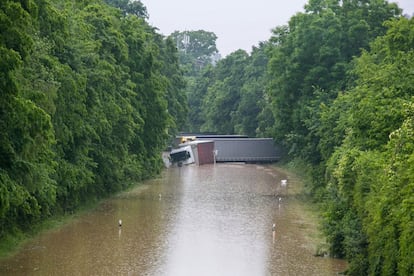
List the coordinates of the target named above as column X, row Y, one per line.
column 207, row 220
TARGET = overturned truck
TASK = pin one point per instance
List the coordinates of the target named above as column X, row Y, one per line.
column 207, row 150
column 198, row 152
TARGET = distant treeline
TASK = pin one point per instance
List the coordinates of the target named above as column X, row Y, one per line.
column 335, row 86
column 90, row 94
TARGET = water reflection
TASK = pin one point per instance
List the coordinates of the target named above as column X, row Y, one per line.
column 207, row 220
column 214, row 229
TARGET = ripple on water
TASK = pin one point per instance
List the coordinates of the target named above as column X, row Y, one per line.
column 210, row 220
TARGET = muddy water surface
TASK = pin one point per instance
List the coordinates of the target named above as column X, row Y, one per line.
column 207, row 220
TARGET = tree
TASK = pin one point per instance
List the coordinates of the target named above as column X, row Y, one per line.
column 26, row 140
column 196, row 49
column 312, row 55
column 223, row 97
column 366, row 170
column 80, row 83
column 197, row 91
column 252, row 93
column 130, row 7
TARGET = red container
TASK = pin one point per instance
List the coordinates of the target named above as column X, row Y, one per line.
column 204, row 152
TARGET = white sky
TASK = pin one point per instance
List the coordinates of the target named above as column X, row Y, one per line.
column 237, row 24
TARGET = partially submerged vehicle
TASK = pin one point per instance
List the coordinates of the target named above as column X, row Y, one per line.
column 212, row 149
column 198, row 152
column 182, row 156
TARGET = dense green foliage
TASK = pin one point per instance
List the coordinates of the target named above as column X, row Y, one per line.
column 310, row 63
column 196, row 50
column 370, row 171
column 335, row 86
column 228, row 97
column 90, row 95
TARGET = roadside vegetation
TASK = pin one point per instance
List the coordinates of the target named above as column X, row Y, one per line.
column 335, row 88
column 91, row 94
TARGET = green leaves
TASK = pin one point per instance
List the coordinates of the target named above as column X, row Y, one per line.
column 337, row 93
column 313, row 54
column 196, row 49
column 89, row 95
column 374, row 119
column 342, row 108
column 227, row 98
column 28, row 164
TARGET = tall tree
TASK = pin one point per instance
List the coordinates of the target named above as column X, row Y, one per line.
column 252, row 94
column 27, row 161
column 130, row 7
column 196, row 49
column 312, row 55
column 197, row 91
column 80, row 83
column 223, row 97
column 368, row 181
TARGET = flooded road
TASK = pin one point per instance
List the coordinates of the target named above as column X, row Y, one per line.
column 207, row 220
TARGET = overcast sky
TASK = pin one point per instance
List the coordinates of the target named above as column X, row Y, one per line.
column 237, row 24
